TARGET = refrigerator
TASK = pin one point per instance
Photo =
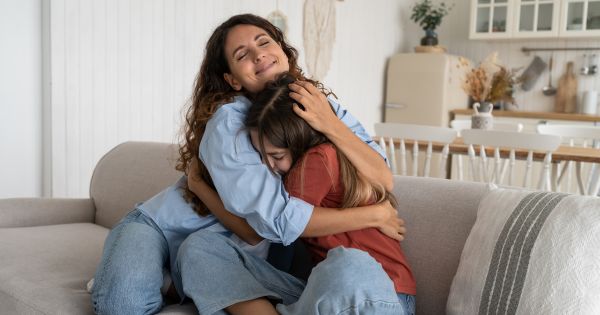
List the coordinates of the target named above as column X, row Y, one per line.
column 422, row 88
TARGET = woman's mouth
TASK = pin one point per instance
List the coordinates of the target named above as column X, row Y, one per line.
column 264, row 67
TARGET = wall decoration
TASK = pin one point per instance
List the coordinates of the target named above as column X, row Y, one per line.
column 278, row 19
column 319, row 36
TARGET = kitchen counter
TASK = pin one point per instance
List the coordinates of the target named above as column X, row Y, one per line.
column 532, row 115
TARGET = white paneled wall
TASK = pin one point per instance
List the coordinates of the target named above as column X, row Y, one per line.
column 454, row 32
column 123, row 69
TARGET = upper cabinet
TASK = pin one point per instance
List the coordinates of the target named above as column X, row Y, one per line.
column 497, row 19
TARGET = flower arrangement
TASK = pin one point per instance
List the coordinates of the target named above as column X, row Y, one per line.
column 490, row 81
column 428, row 15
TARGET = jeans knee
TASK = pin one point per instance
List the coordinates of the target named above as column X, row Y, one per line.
column 199, row 245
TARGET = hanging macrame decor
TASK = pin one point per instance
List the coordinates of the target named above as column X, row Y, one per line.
column 319, row 36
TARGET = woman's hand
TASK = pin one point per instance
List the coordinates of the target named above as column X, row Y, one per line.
column 315, row 108
column 389, row 222
column 194, row 180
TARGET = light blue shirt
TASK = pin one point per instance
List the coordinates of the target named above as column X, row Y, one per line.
column 246, row 186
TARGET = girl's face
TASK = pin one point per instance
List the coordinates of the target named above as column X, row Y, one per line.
column 254, row 58
column 280, row 159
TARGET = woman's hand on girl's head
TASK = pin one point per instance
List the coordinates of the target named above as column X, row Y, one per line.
column 315, row 110
column 390, row 224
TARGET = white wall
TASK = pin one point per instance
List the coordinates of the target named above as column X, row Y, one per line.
column 454, row 32
column 20, row 98
column 123, row 69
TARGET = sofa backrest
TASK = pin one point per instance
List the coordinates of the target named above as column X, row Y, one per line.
column 439, row 215
column 131, row 173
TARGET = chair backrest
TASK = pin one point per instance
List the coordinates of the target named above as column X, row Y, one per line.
column 462, row 124
column 130, row 173
column 588, row 176
column 396, row 134
column 511, row 141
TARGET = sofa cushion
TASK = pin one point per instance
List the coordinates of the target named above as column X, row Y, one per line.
column 44, row 270
column 439, row 215
column 530, row 253
column 130, row 173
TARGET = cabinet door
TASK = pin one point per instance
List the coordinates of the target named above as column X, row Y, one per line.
column 491, row 19
column 580, row 18
column 536, row 18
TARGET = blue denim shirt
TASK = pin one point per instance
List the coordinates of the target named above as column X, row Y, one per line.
column 246, row 186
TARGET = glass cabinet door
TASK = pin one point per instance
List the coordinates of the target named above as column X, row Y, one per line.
column 536, row 18
column 581, row 18
column 490, row 19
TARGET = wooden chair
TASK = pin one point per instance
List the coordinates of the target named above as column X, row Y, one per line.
column 576, row 135
column 396, row 132
column 509, row 140
column 462, row 124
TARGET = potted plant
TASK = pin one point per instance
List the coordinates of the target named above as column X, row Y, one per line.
column 429, row 16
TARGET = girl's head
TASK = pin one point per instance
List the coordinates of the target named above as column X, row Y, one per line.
column 282, row 137
column 276, row 131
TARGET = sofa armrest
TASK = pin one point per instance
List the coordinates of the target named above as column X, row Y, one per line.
column 22, row 212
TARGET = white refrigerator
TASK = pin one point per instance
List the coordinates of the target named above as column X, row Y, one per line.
column 422, row 88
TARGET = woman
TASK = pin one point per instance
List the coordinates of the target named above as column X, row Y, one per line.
column 242, row 55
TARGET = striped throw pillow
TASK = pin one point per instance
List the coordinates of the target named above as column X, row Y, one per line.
column 530, row 253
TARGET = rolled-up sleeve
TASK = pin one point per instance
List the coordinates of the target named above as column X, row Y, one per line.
column 246, row 186
column 356, row 127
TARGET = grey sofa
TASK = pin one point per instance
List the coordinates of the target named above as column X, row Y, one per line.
column 49, row 248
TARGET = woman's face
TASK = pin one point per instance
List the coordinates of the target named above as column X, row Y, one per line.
column 280, row 159
column 254, row 58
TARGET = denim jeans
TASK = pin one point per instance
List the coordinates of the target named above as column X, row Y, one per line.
column 130, row 274
column 349, row 281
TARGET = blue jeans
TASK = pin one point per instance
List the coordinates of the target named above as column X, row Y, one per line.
column 408, row 303
column 130, row 275
column 349, row 281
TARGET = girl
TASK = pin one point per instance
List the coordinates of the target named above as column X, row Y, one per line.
column 242, row 54
column 317, row 172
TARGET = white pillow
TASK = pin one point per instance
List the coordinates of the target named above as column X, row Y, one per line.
column 530, row 253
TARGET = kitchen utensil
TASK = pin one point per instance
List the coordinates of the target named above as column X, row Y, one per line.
column 566, row 92
column 592, row 67
column 549, row 90
column 584, row 68
column 589, row 104
column 532, row 73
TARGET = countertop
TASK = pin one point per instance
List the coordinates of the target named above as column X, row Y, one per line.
column 531, row 115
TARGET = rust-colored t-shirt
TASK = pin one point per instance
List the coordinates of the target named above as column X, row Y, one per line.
column 321, row 186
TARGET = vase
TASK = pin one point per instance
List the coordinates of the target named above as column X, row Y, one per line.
column 482, row 116
column 430, row 38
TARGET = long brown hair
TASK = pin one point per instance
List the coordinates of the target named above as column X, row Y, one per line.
column 272, row 117
column 211, row 90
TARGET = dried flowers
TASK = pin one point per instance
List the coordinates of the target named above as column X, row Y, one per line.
column 490, row 81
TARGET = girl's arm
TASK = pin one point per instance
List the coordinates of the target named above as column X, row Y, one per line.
column 212, row 200
column 318, row 114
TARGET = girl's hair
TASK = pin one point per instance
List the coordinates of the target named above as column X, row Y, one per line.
column 272, row 117
column 211, row 90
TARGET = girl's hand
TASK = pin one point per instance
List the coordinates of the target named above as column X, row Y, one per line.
column 390, row 224
column 315, row 108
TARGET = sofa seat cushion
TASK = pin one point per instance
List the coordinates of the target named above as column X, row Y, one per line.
column 44, row 269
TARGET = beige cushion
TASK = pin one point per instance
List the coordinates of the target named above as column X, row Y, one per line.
column 44, row 270
column 439, row 215
column 131, row 173
column 530, row 253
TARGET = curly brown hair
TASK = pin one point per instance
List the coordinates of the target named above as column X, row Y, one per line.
column 211, row 90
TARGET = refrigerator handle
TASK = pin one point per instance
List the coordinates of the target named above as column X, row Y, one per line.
column 395, row 106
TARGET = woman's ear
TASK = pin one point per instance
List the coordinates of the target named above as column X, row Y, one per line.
column 232, row 81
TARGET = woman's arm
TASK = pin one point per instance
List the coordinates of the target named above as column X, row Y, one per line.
column 318, row 114
column 326, row 221
column 211, row 199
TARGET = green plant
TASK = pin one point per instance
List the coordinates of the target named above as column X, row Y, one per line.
column 428, row 15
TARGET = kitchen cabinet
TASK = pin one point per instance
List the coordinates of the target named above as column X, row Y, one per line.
column 505, row 19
